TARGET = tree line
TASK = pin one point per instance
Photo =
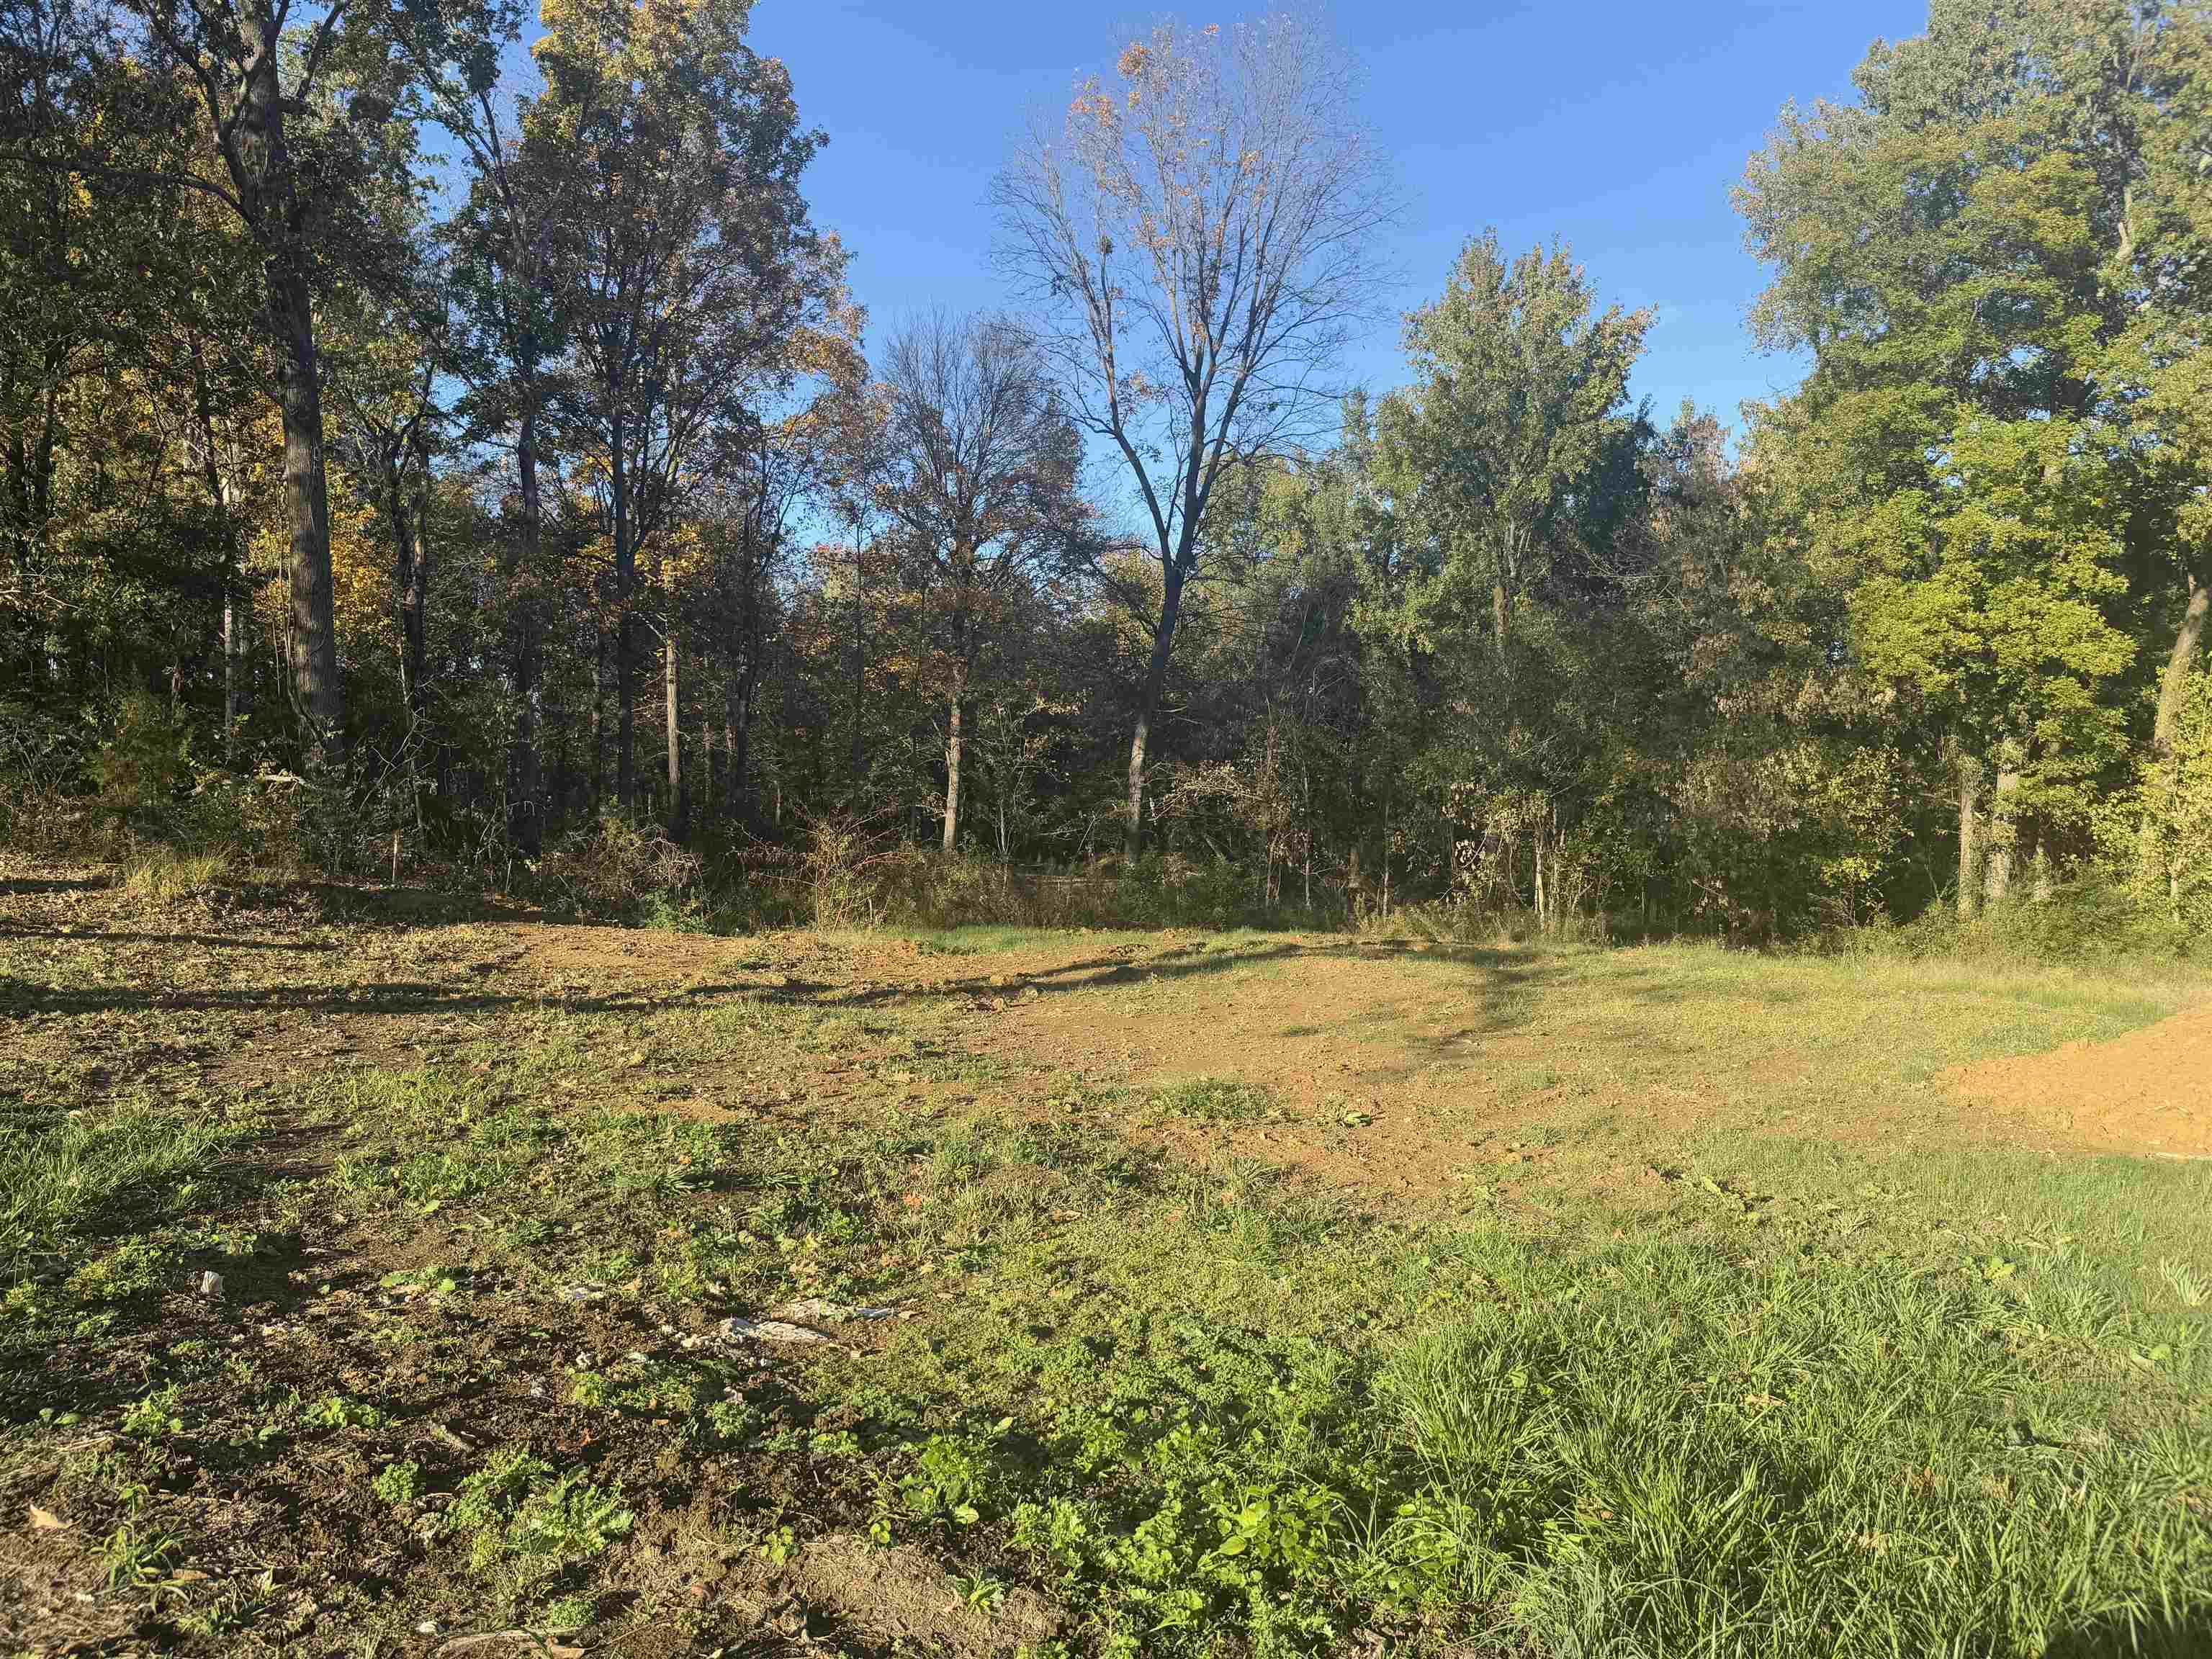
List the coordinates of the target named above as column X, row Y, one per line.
column 490, row 442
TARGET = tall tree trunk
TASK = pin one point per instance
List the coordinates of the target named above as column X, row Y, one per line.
column 410, row 576
column 2003, row 837
column 1497, row 618
column 1389, row 790
column 952, row 756
column 2180, row 662
column 418, row 609
column 261, row 168
column 679, row 799
column 1148, row 708
column 738, row 725
column 859, row 656
column 1308, row 772
column 525, row 768
column 1970, row 837
column 1543, row 916
column 599, row 716
column 230, row 676
column 709, row 768
column 625, row 625
column 218, row 489
column 318, row 694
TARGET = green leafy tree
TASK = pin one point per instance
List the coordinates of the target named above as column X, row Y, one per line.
column 1964, row 251
column 1520, row 385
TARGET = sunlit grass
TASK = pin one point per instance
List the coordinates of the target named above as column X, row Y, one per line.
column 1832, row 1373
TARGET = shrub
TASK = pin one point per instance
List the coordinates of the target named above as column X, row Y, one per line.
column 2093, row 917
column 848, row 880
column 42, row 762
column 142, row 767
column 2170, row 859
column 619, row 871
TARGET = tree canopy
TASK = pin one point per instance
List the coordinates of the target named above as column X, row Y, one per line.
column 380, row 428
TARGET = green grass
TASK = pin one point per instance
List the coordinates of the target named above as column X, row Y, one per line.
column 70, row 1180
column 1235, row 1416
column 1816, row 1386
column 1213, row 1099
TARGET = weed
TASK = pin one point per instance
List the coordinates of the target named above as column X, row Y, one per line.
column 134, row 1268
column 2188, row 1287
column 1214, row 1099
column 399, row 1484
column 135, row 1554
column 568, row 1612
column 519, row 1513
column 154, row 1416
column 337, row 1412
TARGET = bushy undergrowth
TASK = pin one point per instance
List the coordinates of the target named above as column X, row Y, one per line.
column 2094, row 918
column 619, row 871
column 127, row 788
column 919, row 887
column 835, row 878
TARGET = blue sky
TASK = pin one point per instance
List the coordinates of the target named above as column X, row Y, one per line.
column 1620, row 126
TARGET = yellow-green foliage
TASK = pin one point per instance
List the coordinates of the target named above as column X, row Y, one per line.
column 615, row 868
column 141, row 768
column 2174, row 862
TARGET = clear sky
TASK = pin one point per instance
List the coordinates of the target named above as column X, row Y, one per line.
column 1621, row 125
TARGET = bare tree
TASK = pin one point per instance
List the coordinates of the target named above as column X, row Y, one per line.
column 977, row 468
column 1201, row 234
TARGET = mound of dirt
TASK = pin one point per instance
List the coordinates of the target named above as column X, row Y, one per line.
column 2148, row 1093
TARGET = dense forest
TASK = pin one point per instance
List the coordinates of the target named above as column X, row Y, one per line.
column 419, row 452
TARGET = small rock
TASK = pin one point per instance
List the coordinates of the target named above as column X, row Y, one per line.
column 769, row 1330
column 583, row 1293
column 833, row 1313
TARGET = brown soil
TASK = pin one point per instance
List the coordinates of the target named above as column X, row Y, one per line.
column 2149, row 1092
column 1382, row 1069
column 1403, row 1071
column 902, row 1600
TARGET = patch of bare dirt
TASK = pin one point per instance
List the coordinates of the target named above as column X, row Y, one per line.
column 50, row 1578
column 900, row 1599
column 1387, row 1063
column 2148, row 1092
